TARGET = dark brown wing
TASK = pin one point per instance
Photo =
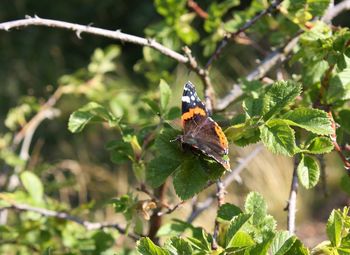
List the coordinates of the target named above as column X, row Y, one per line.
column 208, row 137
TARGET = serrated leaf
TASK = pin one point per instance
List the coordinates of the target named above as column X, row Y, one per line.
column 256, row 206
column 334, row 228
column 282, row 243
column 167, row 145
column 145, row 246
column 313, row 120
column 189, row 179
column 165, row 94
column 179, row 246
column 298, row 248
column 278, row 137
column 228, row 211
column 253, row 106
column 279, row 95
column 319, row 145
column 33, row 185
column 339, row 87
column 159, row 169
column 235, row 225
column 90, row 112
column 308, row 172
column 263, row 247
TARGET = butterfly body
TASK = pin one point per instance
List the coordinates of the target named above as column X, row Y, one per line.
column 201, row 132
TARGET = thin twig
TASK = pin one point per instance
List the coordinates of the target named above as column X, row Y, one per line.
column 118, row 35
column 247, row 25
column 197, row 9
column 220, row 196
column 65, row 216
column 171, row 209
column 271, row 60
column 334, row 11
column 292, row 202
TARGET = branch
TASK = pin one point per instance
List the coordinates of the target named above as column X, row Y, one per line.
column 334, row 11
column 292, row 202
column 197, row 9
column 65, row 216
column 220, row 196
column 271, row 60
column 247, row 25
column 118, row 35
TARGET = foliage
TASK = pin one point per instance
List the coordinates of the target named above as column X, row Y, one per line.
column 137, row 117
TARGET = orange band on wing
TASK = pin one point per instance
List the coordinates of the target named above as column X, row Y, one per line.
column 222, row 137
column 192, row 112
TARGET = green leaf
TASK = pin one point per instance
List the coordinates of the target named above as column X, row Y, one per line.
column 33, row 185
column 159, row 169
column 179, row 246
column 228, row 211
column 189, row 179
column 173, row 113
column 145, row 246
column 345, row 184
column 313, row 120
column 282, row 243
column 235, row 225
column 165, row 94
column 344, row 117
column 167, row 145
column 256, row 206
column 243, row 134
column 319, row 145
column 279, row 95
column 298, row 248
column 334, row 228
column 278, row 137
column 173, row 228
column 90, row 112
column 339, row 87
column 308, row 172
column 263, row 247
column 253, row 106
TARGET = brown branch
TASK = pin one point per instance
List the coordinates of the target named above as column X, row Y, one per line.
column 117, row 35
column 247, row 25
column 271, row 60
column 65, row 216
column 197, row 9
column 220, row 196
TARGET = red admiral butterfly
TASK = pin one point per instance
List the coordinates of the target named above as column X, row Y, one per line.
column 199, row 130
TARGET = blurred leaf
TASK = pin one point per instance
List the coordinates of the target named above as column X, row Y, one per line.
column 165, row 94
column 228, row 211
column 179, row 246
column 282, row 243
column 102, row 61
column 125, row 205
column 90, row 112
column 308, row 172
column 345, row 184
column 313, row 120
column 159, row 169
column 279, row 95
column 235, row 225
column 256, row 206
column 278, row 137
column 334, row 228
column 339, row 87
column 173, row 113
column 146, row 247
column 319, row 145
column 344, row 117
column 33, row 185
column 189, row 179
column 173, row 228
column 103, row 241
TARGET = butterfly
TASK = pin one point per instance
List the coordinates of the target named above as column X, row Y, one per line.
column 201, row 132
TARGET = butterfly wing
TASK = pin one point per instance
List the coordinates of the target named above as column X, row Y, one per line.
column 200, row 131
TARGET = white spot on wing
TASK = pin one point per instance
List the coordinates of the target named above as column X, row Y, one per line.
column 186, row 99
column 193, row 98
